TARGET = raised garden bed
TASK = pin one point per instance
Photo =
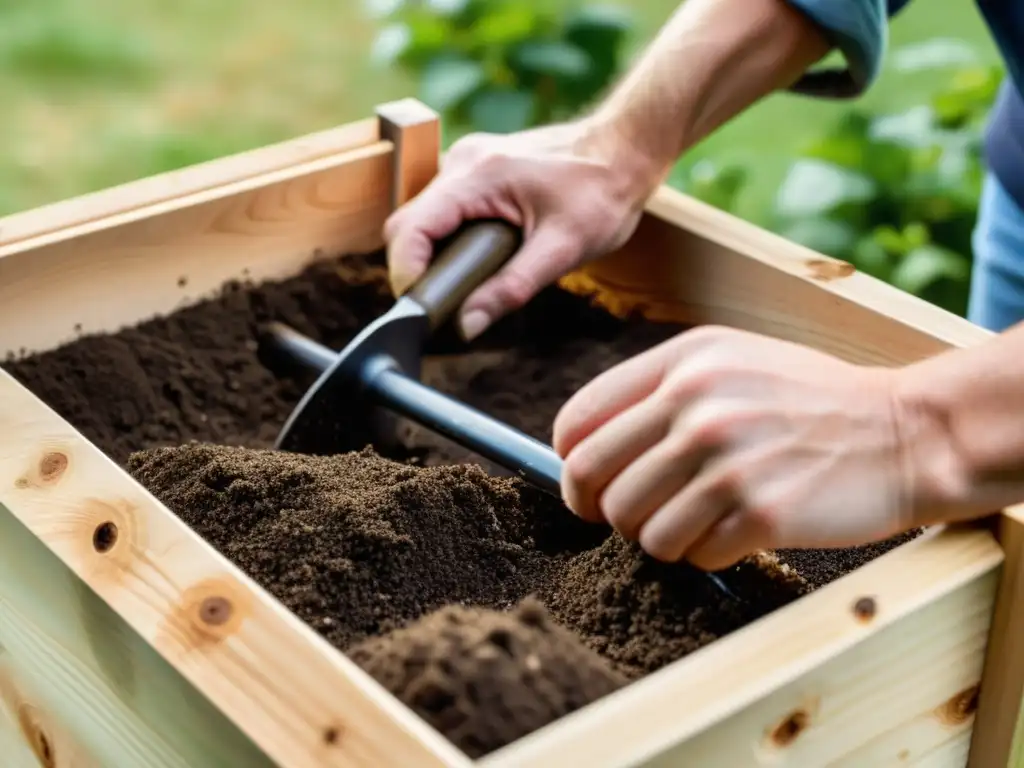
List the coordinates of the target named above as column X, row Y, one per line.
column 480, row 604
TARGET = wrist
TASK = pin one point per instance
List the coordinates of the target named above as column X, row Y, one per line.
column 637, row 170
column 943, row 481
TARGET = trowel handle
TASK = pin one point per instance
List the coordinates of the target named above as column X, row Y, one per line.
column 475, row 253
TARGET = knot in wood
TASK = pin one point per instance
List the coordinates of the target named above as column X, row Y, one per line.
column 865, row 609
column 104, row 537
column 786, row 732
column 52, row 466
column 215, row 611
column 961, row 707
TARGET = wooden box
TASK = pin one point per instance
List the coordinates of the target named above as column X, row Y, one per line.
column 127, row 641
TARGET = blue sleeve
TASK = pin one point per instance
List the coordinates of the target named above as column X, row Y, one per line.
column 860, row 30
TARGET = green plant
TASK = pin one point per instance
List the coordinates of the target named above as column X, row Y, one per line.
column 716, row 183
column 897, row 194
column 503, row 65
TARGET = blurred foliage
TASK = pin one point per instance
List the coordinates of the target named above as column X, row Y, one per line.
column 503, row 65
column 894, row 194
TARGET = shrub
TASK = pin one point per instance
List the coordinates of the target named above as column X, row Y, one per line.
column 503, row 65
column 897, row 195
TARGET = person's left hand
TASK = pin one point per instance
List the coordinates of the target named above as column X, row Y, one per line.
column 719, row 442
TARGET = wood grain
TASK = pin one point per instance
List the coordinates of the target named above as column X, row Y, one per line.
column 689, row 262
column 87, row 686
column 74, row 217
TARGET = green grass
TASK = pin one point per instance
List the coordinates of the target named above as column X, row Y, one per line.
column 107, row 91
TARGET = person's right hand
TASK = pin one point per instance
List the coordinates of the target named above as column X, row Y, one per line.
column 575, row 193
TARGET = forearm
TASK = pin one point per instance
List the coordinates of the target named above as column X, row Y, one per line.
column 966, row 435
column 712, row 60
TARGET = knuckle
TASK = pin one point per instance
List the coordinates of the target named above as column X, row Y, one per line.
column 708, row 432
column 515, row 289
column 683, row 387
column 726, row 482
column 702, row 428
column 467, row 148
column 490, row 162
column 766, row 518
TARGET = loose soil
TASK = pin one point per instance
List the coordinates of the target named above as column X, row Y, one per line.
column 482, row 603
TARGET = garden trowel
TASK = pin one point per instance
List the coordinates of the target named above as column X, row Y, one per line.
column 361, row 389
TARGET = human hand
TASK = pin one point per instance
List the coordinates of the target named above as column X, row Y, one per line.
column 720, row 442
column 575, row 192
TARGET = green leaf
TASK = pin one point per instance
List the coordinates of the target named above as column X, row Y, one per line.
column 426, row 38
column 890, row 240
column 552, row 58
column 843, row 144
column 600, row 31
column 502, row 111
column 814, row 188
column 505, row 24
column 922, row 267
column 715, row 184
column 872, row 259
column 447, row 82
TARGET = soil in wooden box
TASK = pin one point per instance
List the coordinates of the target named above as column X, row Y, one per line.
column 479, row 601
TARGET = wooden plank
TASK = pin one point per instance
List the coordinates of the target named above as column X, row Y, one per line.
column 692, row 263
column 158, row 259
column 813, row 683
column 298, row 699
column 79, row 213
column 999, row 732
column 77, row 684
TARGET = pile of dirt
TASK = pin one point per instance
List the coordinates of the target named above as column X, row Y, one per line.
column 355, row 544
column 642, row 614
column 484, row 678
column 368, row 548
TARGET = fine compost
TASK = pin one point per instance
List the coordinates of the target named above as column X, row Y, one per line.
column 479, row 601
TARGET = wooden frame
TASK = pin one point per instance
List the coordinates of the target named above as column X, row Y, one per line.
column 125, row 640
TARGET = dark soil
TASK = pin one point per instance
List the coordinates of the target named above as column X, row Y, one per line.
column 485, row 678
column 376, row 552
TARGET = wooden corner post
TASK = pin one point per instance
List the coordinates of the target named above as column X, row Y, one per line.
column 998, row 738
column 415, row 130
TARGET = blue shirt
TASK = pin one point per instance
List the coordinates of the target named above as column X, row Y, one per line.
column 860, row 30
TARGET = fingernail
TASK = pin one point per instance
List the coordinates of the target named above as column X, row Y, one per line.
column 473, row 323
column 400, row 282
